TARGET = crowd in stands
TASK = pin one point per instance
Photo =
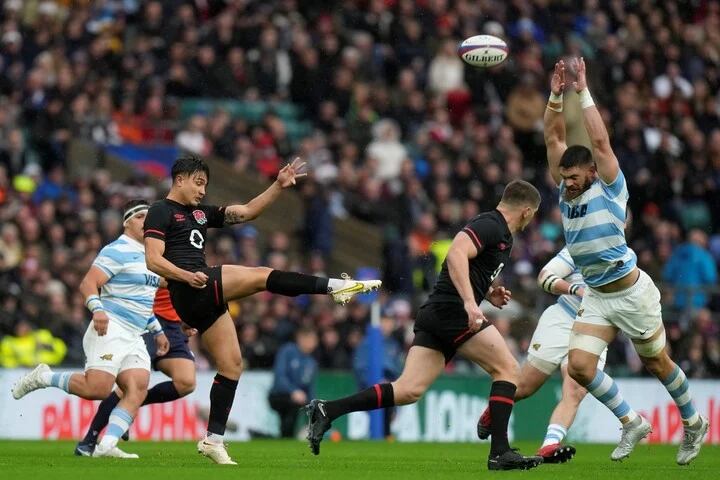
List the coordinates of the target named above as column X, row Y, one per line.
column 403, row 135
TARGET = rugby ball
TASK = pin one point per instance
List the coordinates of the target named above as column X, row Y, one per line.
column 483, row 51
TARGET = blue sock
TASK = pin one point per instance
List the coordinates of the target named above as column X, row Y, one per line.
column 101, row 418
column 679, row 389
column 61, row 380
column 604, row 388
column 120, row 421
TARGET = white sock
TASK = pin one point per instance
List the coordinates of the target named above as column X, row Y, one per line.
column 214, row 438
column 120, row 421
column 555, row 434
column 335, row 284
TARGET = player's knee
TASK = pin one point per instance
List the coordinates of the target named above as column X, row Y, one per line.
column 507, row 370
column 99, row 392
column 259, row 276
column 659, row 365
column 184, row 385
column 406, row 394
column 231, row 366
column 580, row 372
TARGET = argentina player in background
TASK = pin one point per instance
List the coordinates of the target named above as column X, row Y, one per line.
column 620, row 296
column 548, row 351
column 114, row 347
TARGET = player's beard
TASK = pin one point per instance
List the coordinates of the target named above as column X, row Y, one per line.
column 572, row 195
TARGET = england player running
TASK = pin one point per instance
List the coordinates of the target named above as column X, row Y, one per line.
column 451, row 321
column 175, row 232
column 114, row 348
column 548, row 351
column 620, row 296
column 178, row 363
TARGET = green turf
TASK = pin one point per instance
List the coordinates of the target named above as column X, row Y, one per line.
column 291, row 460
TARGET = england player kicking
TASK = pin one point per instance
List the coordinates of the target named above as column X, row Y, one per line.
column 548, row 351
column 175, row 232
column 620, row 296
column 178, row 363
column 451, row 322
column 114, row 348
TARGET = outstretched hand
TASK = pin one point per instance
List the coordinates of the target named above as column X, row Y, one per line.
column 290, row 173
column 580, row 82
column 557, row 82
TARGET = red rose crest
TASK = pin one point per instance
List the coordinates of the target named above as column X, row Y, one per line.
column 200, row 217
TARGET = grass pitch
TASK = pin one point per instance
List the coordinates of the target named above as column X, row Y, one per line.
column 291, row 460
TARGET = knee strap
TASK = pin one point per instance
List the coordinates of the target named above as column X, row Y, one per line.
column 587, row 343
column 652, row 348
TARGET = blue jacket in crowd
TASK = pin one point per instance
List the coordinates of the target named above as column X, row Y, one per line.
column 294, row 370
column 690, row 266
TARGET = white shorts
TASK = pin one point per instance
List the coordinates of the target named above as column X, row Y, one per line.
column 550, row 343
column 118, row 350
column 635, row 311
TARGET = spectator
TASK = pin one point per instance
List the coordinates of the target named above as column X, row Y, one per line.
column 691, row 268
column 29, row 347
column 295, row 373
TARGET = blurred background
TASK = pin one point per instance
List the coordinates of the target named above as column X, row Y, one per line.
column 404, row 142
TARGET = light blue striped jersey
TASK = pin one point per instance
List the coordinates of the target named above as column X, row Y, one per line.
column 129, row 293
column 563, row 266
column 594, row 225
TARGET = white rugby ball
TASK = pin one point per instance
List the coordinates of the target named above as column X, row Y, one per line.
column 483, row 51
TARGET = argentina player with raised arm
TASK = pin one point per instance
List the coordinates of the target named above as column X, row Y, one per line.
column 114, row 347
column 620, row 296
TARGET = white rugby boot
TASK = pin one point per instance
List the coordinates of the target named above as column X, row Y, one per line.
column 351, row 287
column 215, row 452
column 632, row 433
column 692, row 441
column 112, row 451
column 30, row 382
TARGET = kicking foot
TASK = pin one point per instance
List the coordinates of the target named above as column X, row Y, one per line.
column 30, row 382
column 556, row 453
column 483, row 425
column 512, row 460
column 84, row 449
column 692, row 441
column 114, row 452
column 351, row 287
column 632, row 433
column 318, row 424
column 215, row 452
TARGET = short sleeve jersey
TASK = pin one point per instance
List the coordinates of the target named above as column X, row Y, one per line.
column 490, row 233
column 183, row 228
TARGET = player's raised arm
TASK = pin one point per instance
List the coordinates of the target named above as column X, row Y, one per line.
column 554, row 122
column 605, row 159
column 287, row 177
column 461, row 251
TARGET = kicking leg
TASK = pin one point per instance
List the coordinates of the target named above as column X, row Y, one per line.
column 91, row 385
column 240, row 282
column 531, row 379
column 223, row 346
column 422, row 367
column 655, row 358
column 489, row 350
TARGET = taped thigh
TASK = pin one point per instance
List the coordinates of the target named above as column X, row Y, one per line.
column 587, row 343
column 652, row 348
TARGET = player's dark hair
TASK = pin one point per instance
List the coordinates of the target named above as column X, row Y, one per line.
column 576, row 156
column 521, row 193
column 134, row 203
column 131, row 208
column 188, row 164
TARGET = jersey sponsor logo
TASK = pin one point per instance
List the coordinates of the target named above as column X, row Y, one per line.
column 179, row 217
column 200, row 217
column 152, row 280
column 107, row 356
column 577, row 211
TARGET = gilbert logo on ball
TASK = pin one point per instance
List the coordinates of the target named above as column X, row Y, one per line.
column 199, row 216
column 483, row 51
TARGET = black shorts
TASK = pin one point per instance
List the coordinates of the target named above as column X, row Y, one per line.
column 199, row 307
column 442, row 327
column 179, row 347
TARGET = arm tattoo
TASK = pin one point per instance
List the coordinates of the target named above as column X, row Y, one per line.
column 233, row 216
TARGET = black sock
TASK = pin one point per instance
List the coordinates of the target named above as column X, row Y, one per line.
column 101, row 418
column 292, row 284
column 222, row 395
column 379, row 395
column 161, row 393
column 502, row 399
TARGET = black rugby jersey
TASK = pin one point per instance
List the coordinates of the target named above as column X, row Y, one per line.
column 490, row 233
column 184, row 230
